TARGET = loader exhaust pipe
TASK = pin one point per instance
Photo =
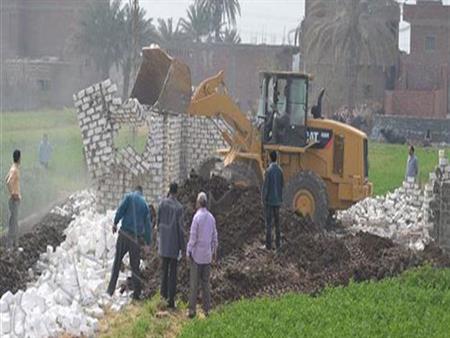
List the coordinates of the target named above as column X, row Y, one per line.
column 162, row 82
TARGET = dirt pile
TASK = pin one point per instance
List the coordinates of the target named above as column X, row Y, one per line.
column 308, row 261
column 15, row 264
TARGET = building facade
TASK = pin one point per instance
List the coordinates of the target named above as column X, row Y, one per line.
column 40, row 67
column 241, row 63
column 422, row 88
column 371, row 73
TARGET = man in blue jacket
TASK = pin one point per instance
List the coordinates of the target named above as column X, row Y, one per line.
column 135, row 229
column 272, row 197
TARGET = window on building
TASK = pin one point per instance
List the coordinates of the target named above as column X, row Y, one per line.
column 43, row 85
column 430, row 43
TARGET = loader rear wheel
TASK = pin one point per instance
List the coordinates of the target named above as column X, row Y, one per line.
column 306, row 194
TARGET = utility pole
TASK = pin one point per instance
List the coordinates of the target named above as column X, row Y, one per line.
column 135, row 50
column 134, row 5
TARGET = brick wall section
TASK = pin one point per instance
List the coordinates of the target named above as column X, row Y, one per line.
column 437, row 202
column 37, row 28
column 241, row 63
column 424, row 72
column 175, row 145
column 444, row 226
column 412, row 128
column 415, row 103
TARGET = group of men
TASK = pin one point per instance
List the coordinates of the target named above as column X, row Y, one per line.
column 136, row 219
column 136, row 231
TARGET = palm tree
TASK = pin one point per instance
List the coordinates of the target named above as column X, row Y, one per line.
column 354, row 33
column 99, row 37
column 221, row 12
column 231, row 36
column 168, row 32
column 146, row 34
column 197, row 26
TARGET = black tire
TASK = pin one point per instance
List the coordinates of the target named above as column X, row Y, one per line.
column 242, row 173
column 312, row 183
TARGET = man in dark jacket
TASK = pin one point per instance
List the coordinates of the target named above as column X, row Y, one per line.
column 272, row 196
column 171, row 242
column 136, row 228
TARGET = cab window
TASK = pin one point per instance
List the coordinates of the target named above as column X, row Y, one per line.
column 297, row 102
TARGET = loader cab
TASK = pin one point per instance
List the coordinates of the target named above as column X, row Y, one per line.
column 283, row 107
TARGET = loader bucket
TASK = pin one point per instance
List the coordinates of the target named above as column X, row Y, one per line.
column 162, row 82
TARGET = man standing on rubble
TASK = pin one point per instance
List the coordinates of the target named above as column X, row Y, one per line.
column 171, row 242
column 201, row 247
column 272, row 198
column 135, row 229
column 13, row 183
column 412, row 166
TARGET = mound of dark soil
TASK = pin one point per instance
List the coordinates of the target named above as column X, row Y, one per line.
column 308, row 261
column 15, row 263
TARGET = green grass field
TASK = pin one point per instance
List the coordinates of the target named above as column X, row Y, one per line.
column 416, row 304
column 387, row 165
column 408, row 306
column 66, row 173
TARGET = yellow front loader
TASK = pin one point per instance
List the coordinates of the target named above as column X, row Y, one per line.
column 325, row 163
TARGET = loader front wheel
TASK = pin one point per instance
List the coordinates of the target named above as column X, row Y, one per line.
column 306, row 194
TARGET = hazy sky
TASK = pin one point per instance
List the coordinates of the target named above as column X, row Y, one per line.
column 261, row 21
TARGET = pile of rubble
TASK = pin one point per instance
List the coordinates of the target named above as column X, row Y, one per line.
column 405, row 215
column 69, row 292
column 308, row 261
column 398, row 215
column 69, row 296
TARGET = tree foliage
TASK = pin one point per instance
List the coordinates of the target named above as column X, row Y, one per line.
column 221, row 13
column 350, row 33
column 197, row 24
column 100, row 34
column 168, row 31
column 106, row 36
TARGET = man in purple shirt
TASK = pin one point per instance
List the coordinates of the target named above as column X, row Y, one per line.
column 200, row 250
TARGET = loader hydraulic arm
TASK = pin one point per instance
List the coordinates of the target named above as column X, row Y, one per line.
column 212, row 100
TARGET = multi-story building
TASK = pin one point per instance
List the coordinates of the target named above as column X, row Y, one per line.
column 40, row 67
column 365, row 80
column 422, row 88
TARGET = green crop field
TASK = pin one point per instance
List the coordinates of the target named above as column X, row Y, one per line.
column 387, row 165
column 67, row 172
column 413, row 305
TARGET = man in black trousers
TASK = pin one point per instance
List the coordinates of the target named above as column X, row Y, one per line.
column 171, row 242
column 135, row 229
column 272, row 198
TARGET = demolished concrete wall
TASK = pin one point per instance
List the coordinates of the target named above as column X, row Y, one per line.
column 412, row 128
column 440, row 202
column 410, row 216
column 175, row 145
